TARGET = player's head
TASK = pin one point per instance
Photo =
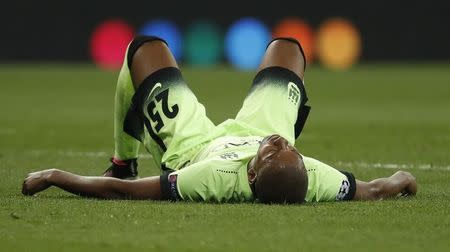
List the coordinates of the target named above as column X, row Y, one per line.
column 277, row 173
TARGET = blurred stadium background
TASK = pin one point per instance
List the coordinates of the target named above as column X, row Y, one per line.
column 204, row 33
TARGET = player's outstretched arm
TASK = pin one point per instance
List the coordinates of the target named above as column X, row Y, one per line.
column 97, row 187
column 401, row 183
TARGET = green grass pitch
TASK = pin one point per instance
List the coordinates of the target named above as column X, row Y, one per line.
column 371, row 120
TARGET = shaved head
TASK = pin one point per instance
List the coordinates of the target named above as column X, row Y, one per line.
column 277, row 174
column 279, row 182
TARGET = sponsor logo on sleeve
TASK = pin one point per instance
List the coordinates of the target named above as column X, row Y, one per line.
column 344, row 190
column 173, row 189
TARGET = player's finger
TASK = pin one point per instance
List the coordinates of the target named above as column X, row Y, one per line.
column 25, row 190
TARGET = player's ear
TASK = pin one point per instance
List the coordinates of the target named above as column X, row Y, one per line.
column 251, row 174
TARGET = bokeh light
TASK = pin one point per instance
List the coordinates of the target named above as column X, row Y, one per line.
column 298, row 29
column 203, row 44
column 166, row 30
column 245, row 43
column 109, row 42
column 338, row 44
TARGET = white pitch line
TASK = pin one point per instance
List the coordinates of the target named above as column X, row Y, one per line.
column 394, row 166
column 102, row 154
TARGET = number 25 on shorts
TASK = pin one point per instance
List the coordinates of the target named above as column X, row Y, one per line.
column 155, row 116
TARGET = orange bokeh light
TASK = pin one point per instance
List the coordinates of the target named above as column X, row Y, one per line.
column 338, row 44
column 300, row 30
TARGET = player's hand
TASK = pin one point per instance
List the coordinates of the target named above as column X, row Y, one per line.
column 36, row 182
column 411, row 188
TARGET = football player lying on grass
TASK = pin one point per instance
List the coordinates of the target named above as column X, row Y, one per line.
column 250, row 158
column 277, row 174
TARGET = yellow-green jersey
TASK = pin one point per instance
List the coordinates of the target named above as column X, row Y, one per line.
column 325, row 183
column 219, row 174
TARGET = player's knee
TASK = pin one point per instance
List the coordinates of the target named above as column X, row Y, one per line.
column 146, row 55
column 286, row 42
column 136, row 45
column 286, row 53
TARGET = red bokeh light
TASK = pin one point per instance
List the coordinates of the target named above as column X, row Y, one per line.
column 109, row 42
column 300, row 30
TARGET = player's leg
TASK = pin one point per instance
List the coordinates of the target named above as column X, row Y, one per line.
column 132, row 73
column 400, row 183
column 98, row 187
column 286, row 53
column 164, row 113
column 276, row 101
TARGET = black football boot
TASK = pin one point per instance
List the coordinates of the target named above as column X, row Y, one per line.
column 122, row 169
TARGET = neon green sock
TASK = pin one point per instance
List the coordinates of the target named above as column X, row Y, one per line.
column 126, row 147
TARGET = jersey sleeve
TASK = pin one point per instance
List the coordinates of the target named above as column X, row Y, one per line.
column 212, row 180
column 326, row 183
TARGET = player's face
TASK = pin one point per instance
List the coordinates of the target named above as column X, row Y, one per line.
column 275, row 149
column 275, row 146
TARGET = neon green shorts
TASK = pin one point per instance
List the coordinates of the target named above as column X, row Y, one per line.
column 168, row 118
column 276, row 103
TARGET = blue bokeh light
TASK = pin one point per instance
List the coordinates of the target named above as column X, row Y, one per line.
column 245, row 43
column 166, row 30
